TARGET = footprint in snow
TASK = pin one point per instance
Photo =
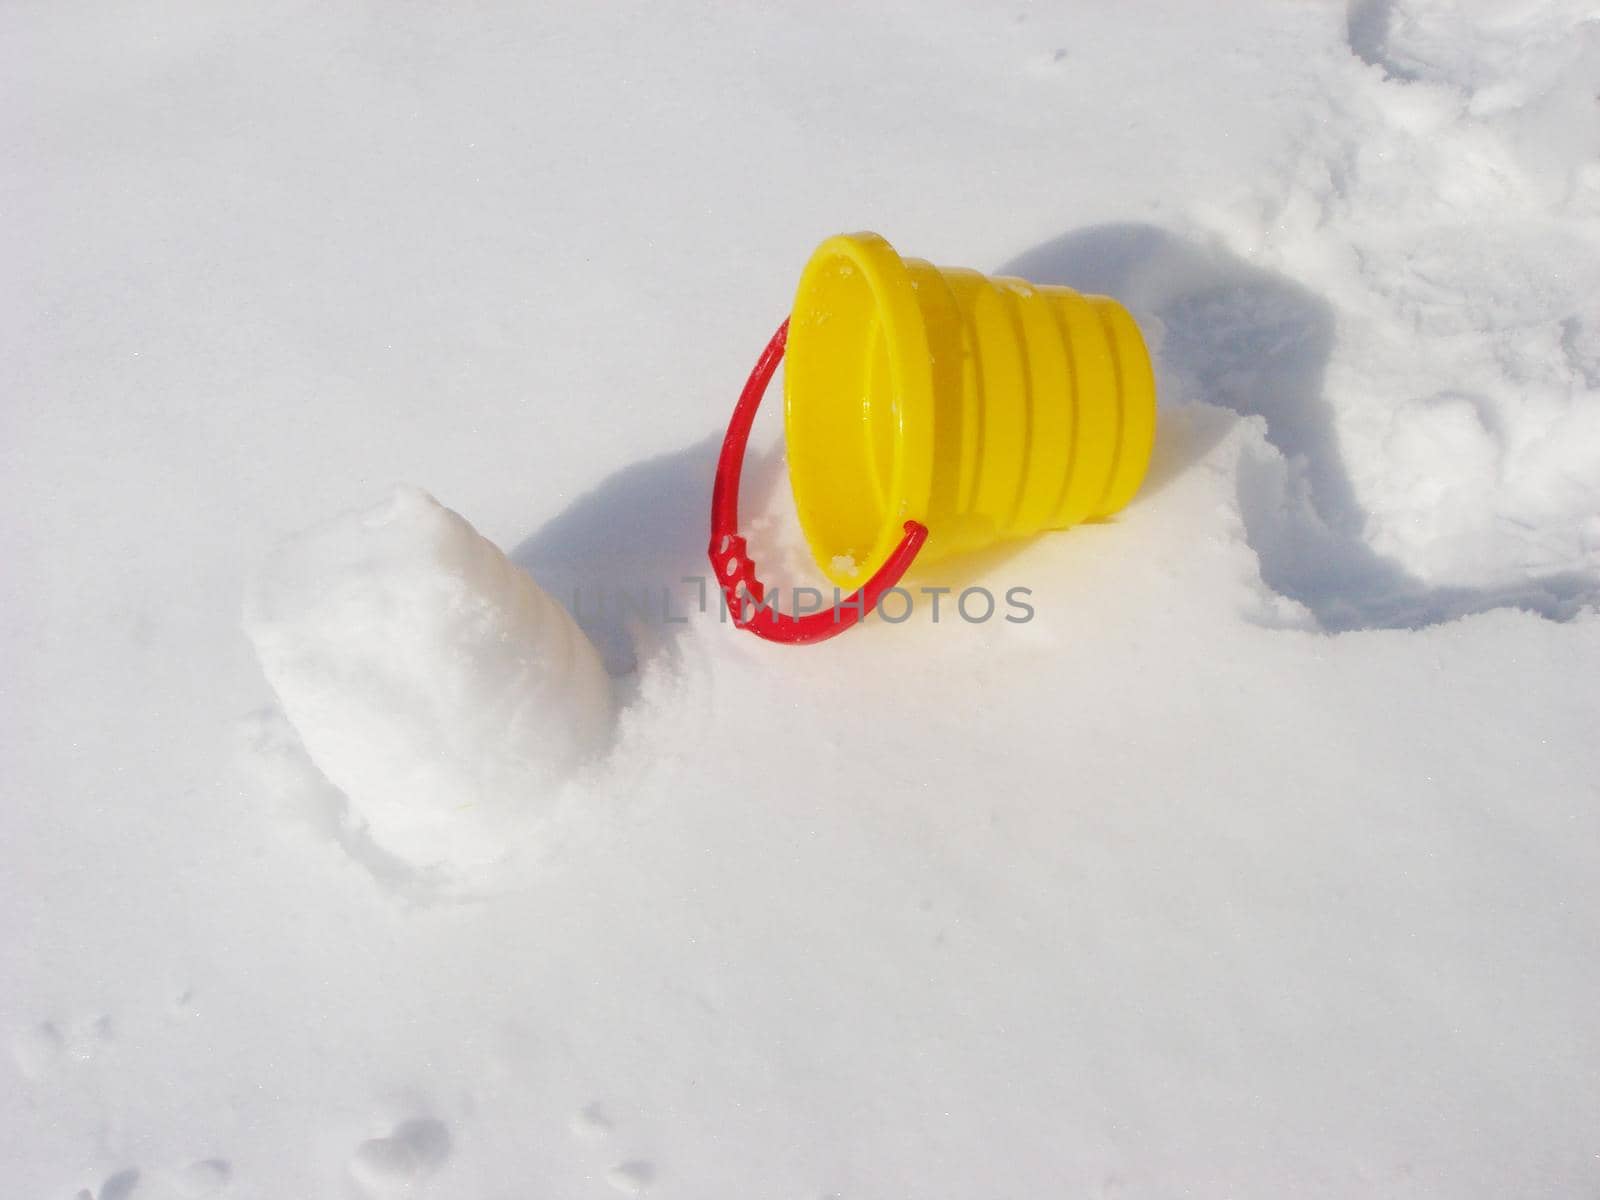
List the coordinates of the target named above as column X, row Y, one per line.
column 199, row 1180
column 631, row 1178
column 38, row 1049
column 389, row 1166
column 119, row 1187
column 41, row 1049
column 591, row 1123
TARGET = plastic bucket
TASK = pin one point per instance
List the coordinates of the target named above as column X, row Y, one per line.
column 937, row 406
column 982, row 408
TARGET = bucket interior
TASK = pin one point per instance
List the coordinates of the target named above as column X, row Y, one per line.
column 843, row 418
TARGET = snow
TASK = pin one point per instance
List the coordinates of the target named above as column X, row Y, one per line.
column 1264, row 860
column 431, row 681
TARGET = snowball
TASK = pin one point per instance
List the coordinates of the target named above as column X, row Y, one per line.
column 430, row 679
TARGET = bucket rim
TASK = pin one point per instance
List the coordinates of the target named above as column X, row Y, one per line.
column 910, row 480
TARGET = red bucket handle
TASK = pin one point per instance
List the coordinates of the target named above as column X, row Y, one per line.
column 733, row 567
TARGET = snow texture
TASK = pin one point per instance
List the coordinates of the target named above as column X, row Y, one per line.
column 1263, row 861
column 430, row 679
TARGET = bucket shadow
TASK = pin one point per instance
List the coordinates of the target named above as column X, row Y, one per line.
column 1221, row 332
column 1218, row 331
column 1225, row 333
column 628, row 557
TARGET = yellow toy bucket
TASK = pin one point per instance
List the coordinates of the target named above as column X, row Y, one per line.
column 931, row 411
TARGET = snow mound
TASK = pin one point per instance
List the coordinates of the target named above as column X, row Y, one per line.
column 1444, row 449
column 432, row 681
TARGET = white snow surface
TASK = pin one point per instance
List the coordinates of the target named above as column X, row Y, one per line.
column 1263, row 861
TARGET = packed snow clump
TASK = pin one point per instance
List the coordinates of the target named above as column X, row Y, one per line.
column 431, row 680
